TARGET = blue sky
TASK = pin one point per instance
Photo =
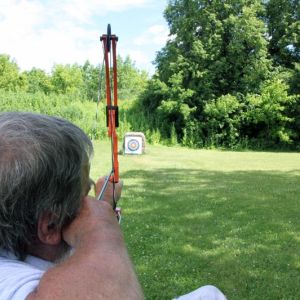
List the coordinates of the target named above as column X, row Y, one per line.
column 40, row 33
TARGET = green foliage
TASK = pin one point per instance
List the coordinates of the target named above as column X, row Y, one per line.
column 173, row 137
column 227, row 77
column 223, row 121
column 229, row 74
column 154, row 137
column 67, row 79
column 268, row 112
column 193, row 135
column 71, row 107
column 91, row 79
column 38, row 81
column 283, row 19
column 70, row 91
column 82, row 113
column 155, row 92
column 219, row 47
column 247, row 57
column 10, row 79
column 295, row 79
column 131, row 81
column 124, row 125
column 165, row 108
column 87, row 81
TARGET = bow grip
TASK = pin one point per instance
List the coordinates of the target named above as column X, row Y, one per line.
column 109, row 110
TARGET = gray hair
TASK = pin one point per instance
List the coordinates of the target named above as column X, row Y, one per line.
column 42, row 169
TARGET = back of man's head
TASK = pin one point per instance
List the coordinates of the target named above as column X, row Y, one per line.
column 44, row 165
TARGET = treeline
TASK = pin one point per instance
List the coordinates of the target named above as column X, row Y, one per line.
column 70, row 92
column 85, row 81
column 229, row 75
column 84, row 113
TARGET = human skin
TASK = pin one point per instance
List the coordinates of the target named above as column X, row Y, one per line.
column 99, row 267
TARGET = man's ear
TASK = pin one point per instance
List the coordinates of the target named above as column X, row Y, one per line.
column 47, row 232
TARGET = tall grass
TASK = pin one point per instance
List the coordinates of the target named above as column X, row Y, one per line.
column 83, row 113
column 71, row 107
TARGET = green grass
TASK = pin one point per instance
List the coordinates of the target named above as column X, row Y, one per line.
column 196, row 217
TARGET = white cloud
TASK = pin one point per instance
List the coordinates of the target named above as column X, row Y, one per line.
column 82, row 10
column 38, row 33
column 138, row 57
column 147, row 44
column 156, row 34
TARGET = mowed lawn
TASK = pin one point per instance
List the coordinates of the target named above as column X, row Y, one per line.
column 197, row 217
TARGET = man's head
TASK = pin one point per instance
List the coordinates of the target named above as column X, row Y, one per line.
column 44, row 169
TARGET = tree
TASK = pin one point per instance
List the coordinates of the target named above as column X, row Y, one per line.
column 38, row 81
column 224, row 120
column 131, row 81
column 10, row 79
column 220, row 46
column 67, row 79
column 216, row 48
column 283, row 20
column 91, row 78
column 267, row 117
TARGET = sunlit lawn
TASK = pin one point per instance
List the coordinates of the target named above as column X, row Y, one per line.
column 196, row 217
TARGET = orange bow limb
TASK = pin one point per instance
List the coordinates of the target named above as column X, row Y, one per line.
column 112, row 113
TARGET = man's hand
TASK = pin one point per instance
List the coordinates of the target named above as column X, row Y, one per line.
column 93, row 217
column 109, row 195
column 99, row 268
column 94, row 213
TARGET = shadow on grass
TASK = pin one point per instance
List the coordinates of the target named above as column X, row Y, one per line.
column 237, row 230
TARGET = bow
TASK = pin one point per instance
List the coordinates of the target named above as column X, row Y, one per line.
column 109, row 42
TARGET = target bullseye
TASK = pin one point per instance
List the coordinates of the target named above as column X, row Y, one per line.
column 133, row 145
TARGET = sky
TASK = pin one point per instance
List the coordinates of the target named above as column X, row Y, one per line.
column 41, row 33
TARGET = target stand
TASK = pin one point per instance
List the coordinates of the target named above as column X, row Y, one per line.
column 134, row 143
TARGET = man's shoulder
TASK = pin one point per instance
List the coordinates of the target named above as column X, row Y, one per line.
column 14, row 271
column 10, row 261
column 18, row 278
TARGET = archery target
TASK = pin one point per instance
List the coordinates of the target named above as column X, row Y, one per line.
column 133, row 145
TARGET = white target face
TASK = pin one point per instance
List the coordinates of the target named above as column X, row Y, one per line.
column 133, row 145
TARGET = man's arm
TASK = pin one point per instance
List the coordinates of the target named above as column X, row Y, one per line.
column 99, row 268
